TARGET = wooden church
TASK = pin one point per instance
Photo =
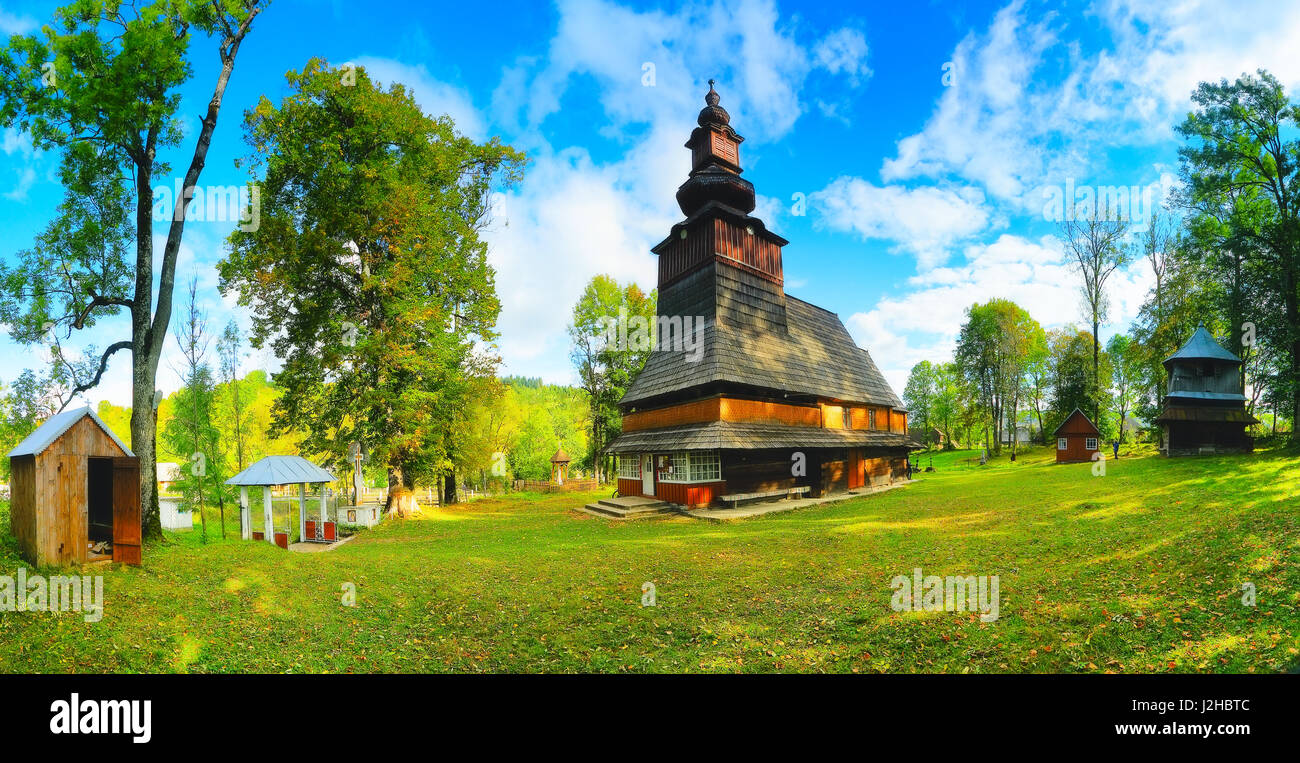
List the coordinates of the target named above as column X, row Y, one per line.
column 1205, row 408
column 776, row 399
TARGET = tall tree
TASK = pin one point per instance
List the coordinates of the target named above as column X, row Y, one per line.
column 1094, row 240
column 193, row 428
column 947, row 402
column 608, row 364
column 228, row 350
column 101, row 86
column 368, row 275
column 1071, row 374
column 1159, row 243
column 920, row 393
column 1126, row 373
column 1038, row 384
column 994, row 348
column 1242, row 154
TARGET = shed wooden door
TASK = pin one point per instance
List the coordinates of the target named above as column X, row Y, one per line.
column 126, row 510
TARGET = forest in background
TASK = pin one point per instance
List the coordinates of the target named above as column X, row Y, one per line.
column 527, row 424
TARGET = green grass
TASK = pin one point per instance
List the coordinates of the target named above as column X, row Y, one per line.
column 1136, row 571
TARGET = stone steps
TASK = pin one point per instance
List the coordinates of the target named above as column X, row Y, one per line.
column 629, row 507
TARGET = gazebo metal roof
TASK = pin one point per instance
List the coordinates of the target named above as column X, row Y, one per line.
column 281, row 470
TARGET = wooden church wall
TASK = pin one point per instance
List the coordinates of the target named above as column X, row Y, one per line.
column 757, row 471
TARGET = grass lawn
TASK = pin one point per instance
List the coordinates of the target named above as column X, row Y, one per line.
column 1140, row 570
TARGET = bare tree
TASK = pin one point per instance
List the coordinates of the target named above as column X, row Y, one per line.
column 192, row 338
column 1095, row 242
column 1157, row 246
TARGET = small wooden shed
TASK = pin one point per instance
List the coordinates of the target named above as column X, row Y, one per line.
column 1077, row 439
column 75, row 485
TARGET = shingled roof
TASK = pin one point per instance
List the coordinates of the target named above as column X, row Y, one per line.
column 724, row 435
column 816, row 356
column 1230, row 415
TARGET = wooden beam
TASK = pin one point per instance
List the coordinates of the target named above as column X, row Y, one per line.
column 268, row 523
column 245, row 527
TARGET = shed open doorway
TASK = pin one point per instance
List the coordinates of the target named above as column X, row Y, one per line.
column 99, row 508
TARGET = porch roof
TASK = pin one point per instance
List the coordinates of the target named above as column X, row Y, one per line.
column 729, row 435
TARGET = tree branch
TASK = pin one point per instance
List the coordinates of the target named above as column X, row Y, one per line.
column 103, row 365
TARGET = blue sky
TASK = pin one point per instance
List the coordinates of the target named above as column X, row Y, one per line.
column 923, row 138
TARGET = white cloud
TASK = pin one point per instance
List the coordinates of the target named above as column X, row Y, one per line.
column 18, row 144
column 923, row 324
column 570, row 221
column 758, row 62
column 26, row 178
column 1032, row 103
column 925, row 221
column 1164, row 50
column 12, row 23
column 986, row 122
column 844, row 50
column 574, row 217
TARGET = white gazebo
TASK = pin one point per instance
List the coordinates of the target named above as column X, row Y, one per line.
column 279, row 470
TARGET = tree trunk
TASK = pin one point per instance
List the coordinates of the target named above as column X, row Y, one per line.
column 142, row 444
column 449, row 488
column 401, row 495
column 149, row 324
column 1293, row 310
column 1096, row 367
column 221, row 503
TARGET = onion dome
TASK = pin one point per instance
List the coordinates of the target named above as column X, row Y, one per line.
column 715, row 159
column 713, row 114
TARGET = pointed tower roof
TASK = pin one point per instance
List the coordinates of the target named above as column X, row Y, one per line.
column 1202, row 347
column 715, row 163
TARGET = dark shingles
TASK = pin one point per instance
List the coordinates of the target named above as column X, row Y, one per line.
column 729, row 435
column 814, row 355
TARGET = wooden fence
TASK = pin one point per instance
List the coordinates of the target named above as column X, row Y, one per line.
column 546, row 486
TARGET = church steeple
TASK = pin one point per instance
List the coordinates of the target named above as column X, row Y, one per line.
column 719, row 241
column 715, row 162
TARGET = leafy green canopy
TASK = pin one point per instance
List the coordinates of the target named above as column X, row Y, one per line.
column 606, row 369
column 368, row 276
column 101, row 85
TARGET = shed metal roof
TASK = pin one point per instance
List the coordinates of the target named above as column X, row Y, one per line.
column 281, row 470
column 54, row 427
column 1202, row 347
